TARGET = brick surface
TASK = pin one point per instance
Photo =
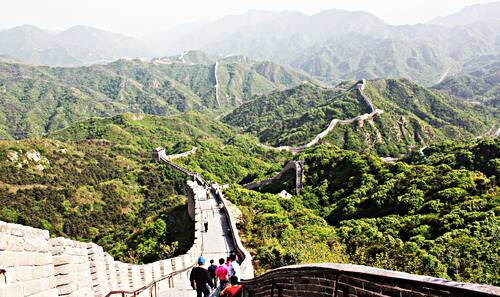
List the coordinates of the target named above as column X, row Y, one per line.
column 14, row 290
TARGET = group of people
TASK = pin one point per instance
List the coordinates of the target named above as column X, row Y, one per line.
column 227, row 274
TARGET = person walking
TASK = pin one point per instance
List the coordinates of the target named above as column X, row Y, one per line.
column 200, row 279
column 205, row 222
column 235, row 266
column 211, row 270
column 222, row 274
column 229, row 266
column 233, row 289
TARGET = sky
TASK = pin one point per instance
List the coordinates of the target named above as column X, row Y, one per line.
column 133, row 17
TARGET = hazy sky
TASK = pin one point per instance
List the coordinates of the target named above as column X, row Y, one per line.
column 137, row 17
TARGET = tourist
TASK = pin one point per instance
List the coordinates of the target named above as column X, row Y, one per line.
column 211, row 271
column 200, row 279
column 205, row 222
column 233, row 289
column 229, row 266
column 222, row 274
column 235, row 266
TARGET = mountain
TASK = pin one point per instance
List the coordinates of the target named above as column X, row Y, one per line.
column 412, row 116
column 478, row 81
column 337, row 45
column 94, row 180
column 222, row 154
column 96, row 191
column 471, row 14
column 37, row 100
column 75, row 46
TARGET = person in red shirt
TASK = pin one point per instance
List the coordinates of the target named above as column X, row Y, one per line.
column 222, row 273
column 232, row 290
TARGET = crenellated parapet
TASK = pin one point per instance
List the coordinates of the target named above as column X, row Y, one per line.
column 34, row 265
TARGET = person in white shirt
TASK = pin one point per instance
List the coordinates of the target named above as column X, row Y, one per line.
column 205, row 222
column 235, row 266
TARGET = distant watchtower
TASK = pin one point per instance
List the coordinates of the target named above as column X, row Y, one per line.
column 158, row 153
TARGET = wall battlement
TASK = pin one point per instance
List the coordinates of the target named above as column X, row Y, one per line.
column 39, row 266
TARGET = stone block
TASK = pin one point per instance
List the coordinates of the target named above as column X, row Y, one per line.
column 41, row 259
column 65, row 279
column 13, row 290
column 33, row 244
column 166, row 266
column 22, row 273
column 64, row 269
column 17, row 230
column 49, row 293
column 64, row 259
column 4, row 227
column 66, row 289
column 43, row 271
column 156, row 270
column 35, row 286
column 11, row 243
column 9, row 259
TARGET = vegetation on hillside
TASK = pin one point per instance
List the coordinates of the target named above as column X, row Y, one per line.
column 478, row 81
column 413, row 116
column 38, row 100
column 222, row 155
column 96, row 191
column 424, row 219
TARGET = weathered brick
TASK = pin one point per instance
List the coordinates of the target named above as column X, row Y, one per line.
column 14, row 290
column 391, row 291
column 9, row 259
column 49, row 293
column 35, row 286
column 373, row 287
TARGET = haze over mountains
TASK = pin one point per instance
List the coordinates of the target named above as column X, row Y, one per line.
column 333, row 45
column 75, row 46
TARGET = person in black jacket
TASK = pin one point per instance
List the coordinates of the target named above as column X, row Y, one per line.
column 200, row 279
column 211, row 270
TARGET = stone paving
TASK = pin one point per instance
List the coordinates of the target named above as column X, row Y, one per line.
column 217, row 243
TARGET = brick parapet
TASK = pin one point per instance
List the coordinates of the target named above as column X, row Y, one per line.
column 37, row 266
column 328, row 279
column 243, row 254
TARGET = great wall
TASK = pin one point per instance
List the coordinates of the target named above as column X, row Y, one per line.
column 32, row 264
column 360, row 86
column 295, row 166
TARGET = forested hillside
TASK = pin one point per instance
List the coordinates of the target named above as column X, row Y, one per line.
column 425, row 219
column 38, row 100
column 478, row 81
column 94, row 181
column 413, row 115
column 99, row 192
column 222, row 155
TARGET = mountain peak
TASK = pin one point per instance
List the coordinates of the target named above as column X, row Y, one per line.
column 471, row 14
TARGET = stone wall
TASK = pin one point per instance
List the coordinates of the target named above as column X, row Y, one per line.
column 25, row 255
column 346, row 280
column 296, row 166
column 34, row 265
column 244, row 256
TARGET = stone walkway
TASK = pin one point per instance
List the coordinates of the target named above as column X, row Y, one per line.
column 217, row 244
